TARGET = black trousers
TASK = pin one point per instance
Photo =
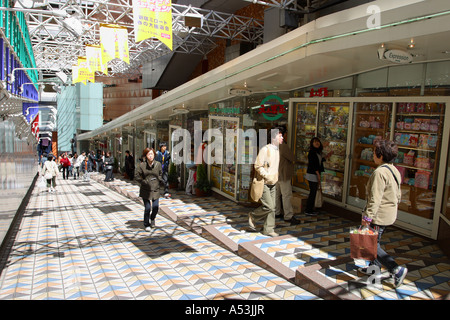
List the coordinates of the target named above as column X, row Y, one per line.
column 109, row 175
column 313, row 186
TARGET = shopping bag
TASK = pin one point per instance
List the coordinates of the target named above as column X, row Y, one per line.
column 257, row 188
column 363, row 243
column 42, row 183
column 319, row 199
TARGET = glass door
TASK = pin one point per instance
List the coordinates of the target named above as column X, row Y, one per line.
column 223, row 171
column 305, row 129
column 332, row 131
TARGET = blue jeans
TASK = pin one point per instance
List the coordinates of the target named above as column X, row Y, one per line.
column 153, row 208
column 383, row 259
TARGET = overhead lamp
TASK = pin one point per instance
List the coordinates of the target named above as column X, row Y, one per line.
column 180, row 110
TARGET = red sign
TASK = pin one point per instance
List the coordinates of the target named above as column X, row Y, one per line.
column 322, row 92
column 273, row 109
column 35, row 126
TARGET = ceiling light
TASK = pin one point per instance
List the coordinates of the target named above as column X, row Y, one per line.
column 180, row 110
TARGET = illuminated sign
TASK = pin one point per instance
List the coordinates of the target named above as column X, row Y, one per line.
column 272, row 108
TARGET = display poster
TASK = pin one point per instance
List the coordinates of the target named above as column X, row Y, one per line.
column 114, row 43
column 153, row 19
column 94, row 59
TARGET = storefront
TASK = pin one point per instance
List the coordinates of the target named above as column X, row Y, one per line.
column 243, row 124
column 347, row 128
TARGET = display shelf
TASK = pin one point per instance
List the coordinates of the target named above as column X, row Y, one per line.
column 371, row 122
column 418, row 135
column 332, row 130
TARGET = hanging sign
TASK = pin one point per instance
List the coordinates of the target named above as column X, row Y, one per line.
column 153, row 19
column 94, row 59
column 114, row 43
column 35, row 127
column 398, row 56
column 83, row 73
column 272, row 108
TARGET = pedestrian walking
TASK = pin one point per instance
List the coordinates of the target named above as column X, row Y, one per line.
column 50, row 171
column 383, row 197
column 109, row 165
column 86, row 169
column 163, row 156
column 65, row 164
column 313, row 172
column 71, row 159
column 149, row 176
column 284, row 184
column 129, row 165
column 267, row 164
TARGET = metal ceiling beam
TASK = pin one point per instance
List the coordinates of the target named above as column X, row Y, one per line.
column 55, row 45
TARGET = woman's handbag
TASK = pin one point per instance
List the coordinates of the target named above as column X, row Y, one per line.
column 363, row 243
column 319, row 199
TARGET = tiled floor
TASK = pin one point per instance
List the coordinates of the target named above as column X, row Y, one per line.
column 87, row 242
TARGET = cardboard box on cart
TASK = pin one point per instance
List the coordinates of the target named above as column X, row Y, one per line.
column 298, row 201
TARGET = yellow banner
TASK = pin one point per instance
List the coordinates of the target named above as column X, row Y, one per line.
column 84, row 74
column 114, row 43
column 153, row 19
column 94, row 59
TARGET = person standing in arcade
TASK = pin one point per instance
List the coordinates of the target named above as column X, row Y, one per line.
column 163, row 156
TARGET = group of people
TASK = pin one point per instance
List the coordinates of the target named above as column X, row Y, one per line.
column 275, row 164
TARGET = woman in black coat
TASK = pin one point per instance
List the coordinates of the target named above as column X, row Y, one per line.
column 315, row 168
column 149, row 176
column 109, row 163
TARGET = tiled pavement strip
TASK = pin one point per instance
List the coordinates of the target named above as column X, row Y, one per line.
column 88, row 243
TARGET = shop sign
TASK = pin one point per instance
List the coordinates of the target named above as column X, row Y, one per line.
column 322, row 92
column 272, row 111
column 217, row 109
column 398, row 56
column 239, row 92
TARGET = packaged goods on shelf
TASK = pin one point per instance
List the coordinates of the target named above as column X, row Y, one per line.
column 422, row 179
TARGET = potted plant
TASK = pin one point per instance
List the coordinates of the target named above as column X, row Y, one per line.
column 202, row 185
column 173, row 176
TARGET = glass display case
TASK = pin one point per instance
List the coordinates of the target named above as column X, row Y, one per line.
column 332, row 131
column 370, row 122
column 223, row 174
column 305, row 130
column 418, row 133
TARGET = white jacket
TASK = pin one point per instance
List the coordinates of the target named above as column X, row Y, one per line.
column 51, row 167
column 79, row 161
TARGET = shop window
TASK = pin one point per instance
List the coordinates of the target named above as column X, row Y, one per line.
column 371, row 121
column 446, row 197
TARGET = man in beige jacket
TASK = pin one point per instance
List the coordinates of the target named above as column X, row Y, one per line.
column 267, row 164
column 284, row 186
